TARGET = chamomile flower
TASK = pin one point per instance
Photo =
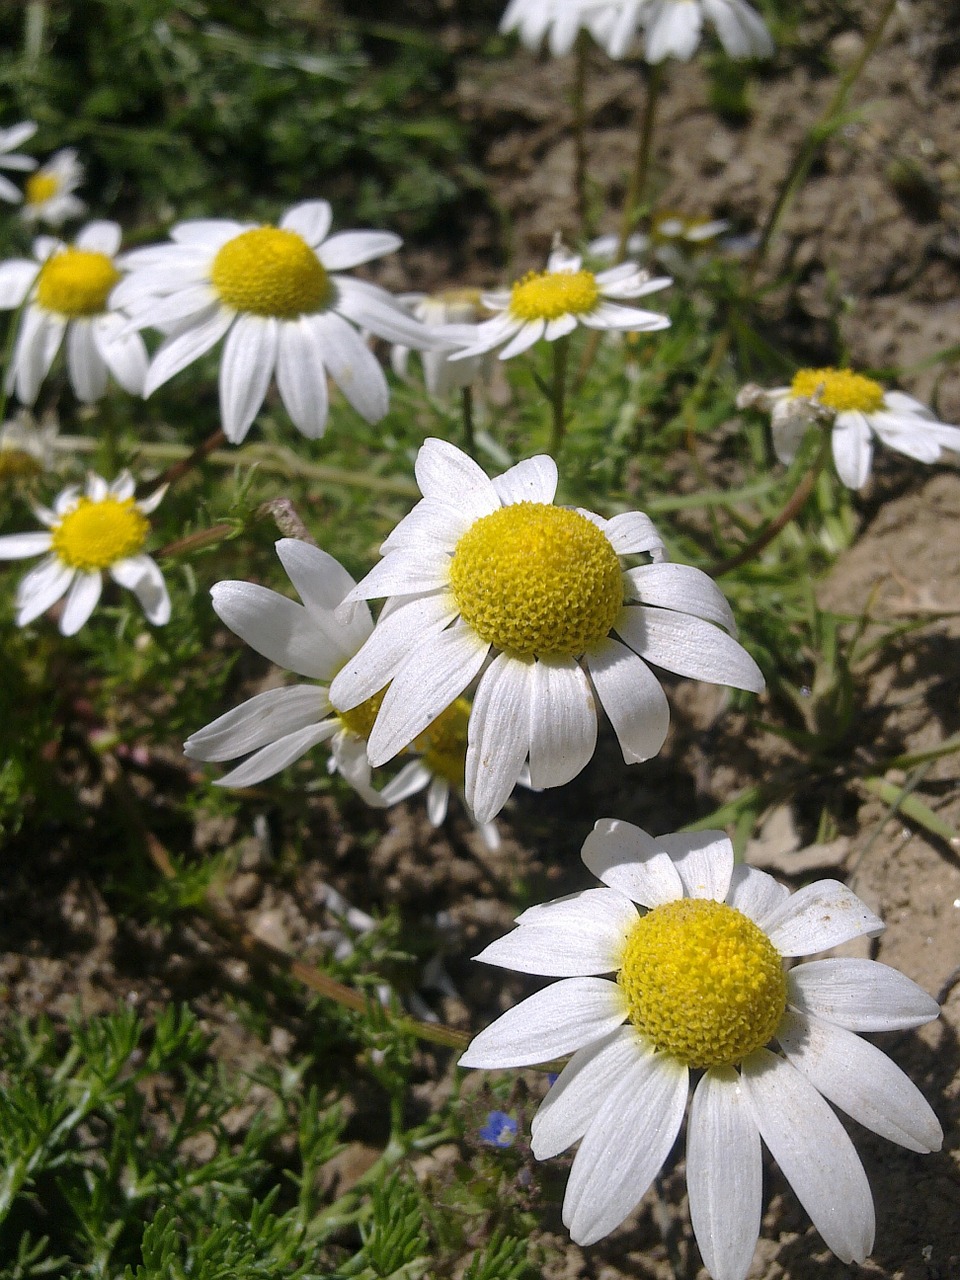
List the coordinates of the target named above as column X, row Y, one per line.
column 274, row 728
column 69, row 293
column 672, row 28
column 278, row 296
column 48, row 194
column 10, row 139
column 435, row 311
column 490, row 569
column 857, row 409
column 695, row 947
column 557, row 22
column 672, row 236
column 26, row 447
column 89, row 533
column 550, row 304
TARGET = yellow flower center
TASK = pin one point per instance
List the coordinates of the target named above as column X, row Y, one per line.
column 537, row 579
column 95, row 535
column 703, row 982
column 443, row 744
column 547, row 295
column 41, row 187
column 270, row 272
column 360, row 719
column 838, row 389
column 76, row 282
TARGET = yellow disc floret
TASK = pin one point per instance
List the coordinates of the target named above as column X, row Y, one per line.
column 537, row 579
column 95, row 535
column 41, row 187
column 360, row 719
column 703, row 982
column 547, row 295
column 76, row 283
column 838, row 389
column 270, row 272
column 443, row 744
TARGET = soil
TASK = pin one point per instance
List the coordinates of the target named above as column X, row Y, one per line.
column 891, row 250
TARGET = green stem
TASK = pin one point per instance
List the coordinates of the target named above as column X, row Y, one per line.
column 813, row 140
column 791, row 509
column 466, row 410
column 580, row 129
column 636, row 189
column 558, row 393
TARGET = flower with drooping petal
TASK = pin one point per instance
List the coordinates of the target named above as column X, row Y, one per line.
column 48, row 194
column 551, row 304
column 26, row 447
column 274, row 728
column 68, row 292
column 491, row 569
column 279, row 297
column 695, row 946
column 10, row 139
column 672, row 28
column 857, row 409
column 100, row 530
column 449, row 307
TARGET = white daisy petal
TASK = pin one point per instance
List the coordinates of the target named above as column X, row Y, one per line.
column 42, row 587
column 755, row 893
column 577, row 1094
column 820, row 916
column 533, row 480
column 264, row 718
column 394, row 637
column 18, row 546
column 724, row 1175
column 279, row 629
column 852, row 449
column 632, row 697
column 80, row 602
column 321, row 583
column 558, row 1020
column 271, row 759
column 563, row 722
column 704, row 860
column 681, row 587
column 625, row 1145
column 449, row 475
column 861, row 995
column 573, row 937
column 861, row 1080
column 311, row 219
column 626, row 858
column 350, row 248
column 688, row 646
column 529, row 333
column 99, row 237
column 352, row 365
column 438, row 797
column 413, row 777
column 812, row 1149
column 88, row 372
column 499, row 734
column 632, row 532
column 37, row 345
column 302, row 378
column 16, row 277
column 246, row 367
column 122, row 352
column 209, row 233
column 419, row 567
column 177, row 352
column 143, row 577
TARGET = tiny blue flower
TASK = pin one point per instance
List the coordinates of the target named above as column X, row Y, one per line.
column 499, row 1131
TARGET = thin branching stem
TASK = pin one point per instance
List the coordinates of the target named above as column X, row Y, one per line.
column 637, row 187
column 558, row 393
column 580, row 129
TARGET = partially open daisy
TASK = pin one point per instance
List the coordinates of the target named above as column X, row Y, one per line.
column 48, row 194
column 274, row 728
column 673, row 28
column 448, row 307
column 858, row 409
column 278, row 295
column 10, row 139
column 89, row 533
column 695, row 948
column 550, row 304
column 486, row 568
column 26, row 447
column 69, row 292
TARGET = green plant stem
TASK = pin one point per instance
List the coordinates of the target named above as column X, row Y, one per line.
column 466, row 412
column 637, row 187
column 580, row 129
column 558, row 393
column 813, row 140
column 177, row 470
column 791, row 509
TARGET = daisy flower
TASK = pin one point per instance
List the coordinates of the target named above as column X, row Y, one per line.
column 69, row 293
column 557, row 22
column 278, row 295
column 274, row 728
column 858, row 409
column 436, row 311
column 550, row 304
column 48, row 194
column 26, row 447
column 102, row 530
column 669, row 233
column 673, row 28
column 490, row 569
column 10, row 139
column 696, row 948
